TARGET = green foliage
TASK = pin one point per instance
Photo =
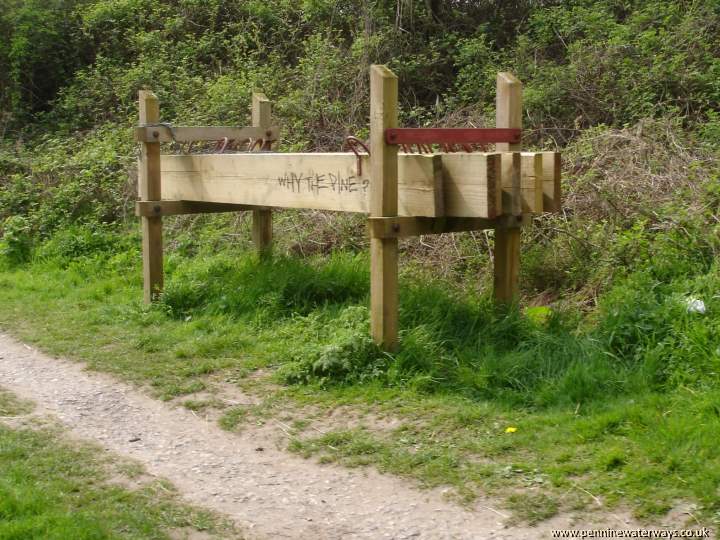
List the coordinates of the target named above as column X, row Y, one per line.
column 629, row 91
column 83, row 61
column 310, row 318
column 17, row 240
column 64, row 189
column 597, row 62
column 265, row 289
column 60, row 181
column 350, row 356
column 533, row 508
column 710, row 130
column 76, row 242
column 74, row 67
column 40, row 49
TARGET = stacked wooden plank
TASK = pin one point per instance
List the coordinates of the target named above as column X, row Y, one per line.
column 429, row 185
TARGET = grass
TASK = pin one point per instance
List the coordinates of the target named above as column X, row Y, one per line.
column 622, row 404
column 643, row 453
column 11, row 405
column 55, row 489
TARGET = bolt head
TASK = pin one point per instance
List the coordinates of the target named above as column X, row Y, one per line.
column 156, row 134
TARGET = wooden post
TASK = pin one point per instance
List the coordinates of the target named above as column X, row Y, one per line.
column 507, row 239
column 383, row 203
column 149, row 190
column 262, row 219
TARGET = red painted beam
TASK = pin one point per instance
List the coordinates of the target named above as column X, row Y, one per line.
column 451, row 135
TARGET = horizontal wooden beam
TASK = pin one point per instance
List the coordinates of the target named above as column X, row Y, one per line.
column 552, row 192
column 451, row 135
column 428, row 185
column 472, row 184
column 401, row 227
column 537, row 190
column 510, row 182
column 174, row 208
column 531, row 182
column 169, row 133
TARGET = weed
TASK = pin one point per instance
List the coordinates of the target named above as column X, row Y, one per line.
column 533, row 508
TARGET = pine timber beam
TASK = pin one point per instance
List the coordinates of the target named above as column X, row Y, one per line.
column 383, row 203
column 456, row 184
column 451, row 135
column 402, row 227
column 161, row 132
column 462, row 185
column 150, row 189
column 508, row 114
column 552, row 191
column 262, row 230
column 175, row 208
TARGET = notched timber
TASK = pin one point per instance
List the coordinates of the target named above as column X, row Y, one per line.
column 463, row 185
column 552, row 190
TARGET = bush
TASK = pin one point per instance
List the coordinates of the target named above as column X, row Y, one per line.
column 81, row 241
column 350, row 357
column 16, row 245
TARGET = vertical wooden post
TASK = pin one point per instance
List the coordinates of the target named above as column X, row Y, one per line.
column 507, row 239
column 262, row 219
column 149, row 190
column 383, row 202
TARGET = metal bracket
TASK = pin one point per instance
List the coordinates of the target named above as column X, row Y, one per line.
column 352, row 143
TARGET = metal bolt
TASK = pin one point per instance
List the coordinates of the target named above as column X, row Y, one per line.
column 268, row 133
column 157, row 208
column 396, row 227
column 156, row 134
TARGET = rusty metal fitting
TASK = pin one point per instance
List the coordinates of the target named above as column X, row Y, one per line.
column 352, row 144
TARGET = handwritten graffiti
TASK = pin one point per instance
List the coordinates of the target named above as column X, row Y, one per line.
column 316, row 183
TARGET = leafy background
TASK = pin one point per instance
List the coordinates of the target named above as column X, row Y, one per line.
column 628, row 90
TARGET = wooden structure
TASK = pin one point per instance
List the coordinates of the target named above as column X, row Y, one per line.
column 437, row 190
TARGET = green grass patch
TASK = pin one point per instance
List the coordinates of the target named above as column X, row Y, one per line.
column 621, row 403
column 53, row 489
column 533, row 508
column 643, row 452
column 11, row 405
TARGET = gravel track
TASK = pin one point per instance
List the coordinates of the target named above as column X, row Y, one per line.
column 267, row 492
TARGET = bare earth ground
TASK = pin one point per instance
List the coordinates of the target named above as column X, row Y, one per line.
column 267, row 492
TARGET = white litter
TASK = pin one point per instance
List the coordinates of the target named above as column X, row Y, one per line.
column 695, row 305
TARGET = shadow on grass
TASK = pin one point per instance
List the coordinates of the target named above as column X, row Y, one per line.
column 314, row 312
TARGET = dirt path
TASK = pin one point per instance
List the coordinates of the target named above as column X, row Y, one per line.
column 269, row 493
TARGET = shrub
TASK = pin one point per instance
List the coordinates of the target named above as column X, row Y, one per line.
column 16, row 245
column 349, row 357
column 79, row 241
